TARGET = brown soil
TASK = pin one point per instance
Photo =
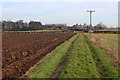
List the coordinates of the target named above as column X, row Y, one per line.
column 35, row 45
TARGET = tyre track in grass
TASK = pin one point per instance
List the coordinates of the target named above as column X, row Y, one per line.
column 64, row 59
column 80, row 63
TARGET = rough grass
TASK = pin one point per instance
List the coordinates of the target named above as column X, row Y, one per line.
column 111, row 44
column 104, row 66
column 109, row 39
column 109, row 36
column 46, row 67
column 80, row 63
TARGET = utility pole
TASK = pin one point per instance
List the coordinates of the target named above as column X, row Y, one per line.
column 90, row 19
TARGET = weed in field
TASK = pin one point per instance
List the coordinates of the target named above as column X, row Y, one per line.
column 13, row 56
column 24, row 53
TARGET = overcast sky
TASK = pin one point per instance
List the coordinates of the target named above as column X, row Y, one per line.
column 61, row 12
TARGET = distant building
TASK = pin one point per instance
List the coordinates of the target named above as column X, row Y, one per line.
column 56, row 26
column 78, row 26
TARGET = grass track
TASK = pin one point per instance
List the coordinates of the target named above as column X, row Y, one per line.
column 80, row 63
column 46, row 67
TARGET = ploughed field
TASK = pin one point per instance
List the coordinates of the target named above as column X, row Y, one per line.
column 21, row 51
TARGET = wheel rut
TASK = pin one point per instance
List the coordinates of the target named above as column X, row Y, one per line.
column 64, row 59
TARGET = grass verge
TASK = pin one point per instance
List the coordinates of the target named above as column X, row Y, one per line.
column 80, row 63
column 46, row 67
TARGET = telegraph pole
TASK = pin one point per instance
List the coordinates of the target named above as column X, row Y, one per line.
column 90, row 19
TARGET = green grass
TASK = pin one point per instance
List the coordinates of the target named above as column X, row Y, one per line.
column 80, row 63
column 103, row 64
column 46, row 67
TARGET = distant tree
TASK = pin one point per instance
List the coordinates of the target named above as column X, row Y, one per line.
column 100, row 26
column 35, row 25
column 24, row 28
column 3, row 26
column 15, row 28
column 20, row 25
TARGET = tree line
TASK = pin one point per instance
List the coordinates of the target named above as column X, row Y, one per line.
column 21, row 26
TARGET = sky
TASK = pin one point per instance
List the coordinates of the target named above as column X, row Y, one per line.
column 69, row 12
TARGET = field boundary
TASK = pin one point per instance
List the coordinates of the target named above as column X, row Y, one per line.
column 53, row 59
